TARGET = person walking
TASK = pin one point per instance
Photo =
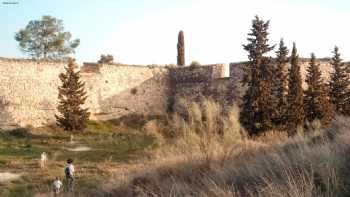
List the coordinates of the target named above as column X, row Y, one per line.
column 56, row 186
column 69, row 175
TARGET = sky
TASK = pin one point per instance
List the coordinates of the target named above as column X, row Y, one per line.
column 145, row 31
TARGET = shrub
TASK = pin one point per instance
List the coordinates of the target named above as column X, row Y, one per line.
column 133, row 91
column 201, row 126
column 20, row 132
column 195, row 63
column 106, row 59
column 134, row 121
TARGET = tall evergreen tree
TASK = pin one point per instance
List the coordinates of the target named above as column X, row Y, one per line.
column 257, row 107
column 317, row 105
column 295, row 111
column 72, row 96
column 280, row 83
column 339, row 85
column 181, row 49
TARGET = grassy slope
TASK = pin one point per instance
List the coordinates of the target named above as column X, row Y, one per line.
column 196, row 163
column 312, row 165
column 112, row 143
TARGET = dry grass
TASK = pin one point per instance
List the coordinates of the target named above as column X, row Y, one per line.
column 205, row 152
column 211, row 156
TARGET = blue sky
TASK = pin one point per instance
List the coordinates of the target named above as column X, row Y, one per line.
column 145, row 31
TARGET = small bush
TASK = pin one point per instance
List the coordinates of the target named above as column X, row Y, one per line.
column 99, row 126
column 134, row 121
column 152, row 128
column 20, row 133
column 133, row 91
column 204, row 117
column 195, row 64
column 106, row 59
column 204, row 128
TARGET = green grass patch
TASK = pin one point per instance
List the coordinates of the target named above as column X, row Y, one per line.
column 111, row 143
column 135, row 121
column 100, row 127
column 16, row 190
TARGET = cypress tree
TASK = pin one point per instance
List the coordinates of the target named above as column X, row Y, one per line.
column 280, row 83
column 257, row 106
column 181, row 49
column 295, row 111
column 72, row 96
column 339, row 84
column 317, row 105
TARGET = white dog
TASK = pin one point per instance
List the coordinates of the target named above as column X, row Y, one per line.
column 43, row 160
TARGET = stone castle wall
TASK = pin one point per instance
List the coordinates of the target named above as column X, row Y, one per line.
column 236, row 72
column 28, row 92
column 211, row 81
column 28, row 89
column 193, row 82
column 117, row 90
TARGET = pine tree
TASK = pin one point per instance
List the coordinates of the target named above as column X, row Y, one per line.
column 257, row 107
column 71, row 95
column 339, row 85
column 317, row 105
column 280, row 83
column 181, row 49
column 295, row 111
column 46, row 39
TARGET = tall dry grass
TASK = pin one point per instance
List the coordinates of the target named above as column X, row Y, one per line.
column 209, row 155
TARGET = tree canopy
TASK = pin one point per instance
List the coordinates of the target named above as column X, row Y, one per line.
column 258, row 103
column 181, row 49
column 106, row 59
column 280, row 84
column 316, row 101
column 339, row 84
column 71, row 96
column 295, row 102
column 46, row 39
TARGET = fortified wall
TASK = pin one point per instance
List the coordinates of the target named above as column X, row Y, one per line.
column 193, row 82
column 236, row 72
column 29, row 89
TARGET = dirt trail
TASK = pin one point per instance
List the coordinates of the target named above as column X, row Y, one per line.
column 8, row 176
column 79, row 149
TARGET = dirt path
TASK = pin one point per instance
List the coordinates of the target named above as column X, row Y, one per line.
column 8, row 176
column 79, row 149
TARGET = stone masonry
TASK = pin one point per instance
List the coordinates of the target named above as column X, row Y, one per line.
column 29, row 89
